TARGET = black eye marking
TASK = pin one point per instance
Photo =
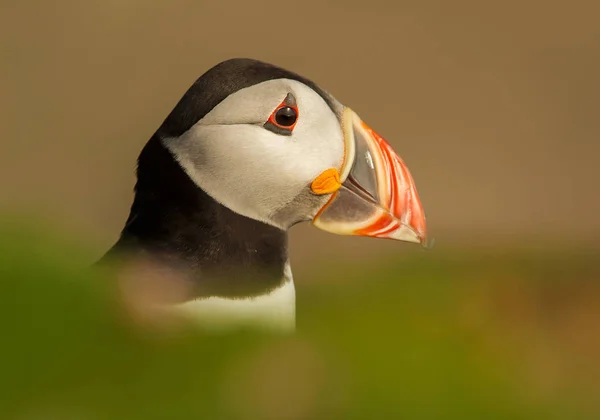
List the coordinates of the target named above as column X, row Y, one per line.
column 290, row 100
column 284, row 117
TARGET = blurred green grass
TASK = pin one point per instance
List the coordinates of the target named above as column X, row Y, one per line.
column 443, row 334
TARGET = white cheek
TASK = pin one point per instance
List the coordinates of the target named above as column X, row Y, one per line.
column 247, row 106
column 254, row 171
column 319, row 143
column 241, row 166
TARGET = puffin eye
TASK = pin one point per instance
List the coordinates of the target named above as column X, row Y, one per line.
column 284, row 118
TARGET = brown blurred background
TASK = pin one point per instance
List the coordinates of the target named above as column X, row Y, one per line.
column 494, row 105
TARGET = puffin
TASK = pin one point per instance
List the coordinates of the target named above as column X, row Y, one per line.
column 250, row 150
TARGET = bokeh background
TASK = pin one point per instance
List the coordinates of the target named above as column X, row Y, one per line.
column 493, row 105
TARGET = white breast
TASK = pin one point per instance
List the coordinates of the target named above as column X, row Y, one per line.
column 273, row 311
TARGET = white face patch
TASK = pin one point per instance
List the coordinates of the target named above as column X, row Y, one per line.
column 253, row 171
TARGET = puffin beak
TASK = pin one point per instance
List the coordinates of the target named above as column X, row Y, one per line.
column 375, row 194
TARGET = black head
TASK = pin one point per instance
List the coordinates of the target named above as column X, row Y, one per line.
column 175, row 222
column 218, row 83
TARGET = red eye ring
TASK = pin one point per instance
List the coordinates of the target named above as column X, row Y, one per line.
column 285, row 116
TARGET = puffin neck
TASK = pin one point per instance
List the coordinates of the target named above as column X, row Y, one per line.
column 176, row 223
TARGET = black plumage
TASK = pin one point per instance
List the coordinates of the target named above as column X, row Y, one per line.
column 175, row 223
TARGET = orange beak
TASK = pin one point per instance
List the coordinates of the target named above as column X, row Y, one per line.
column 377, row 197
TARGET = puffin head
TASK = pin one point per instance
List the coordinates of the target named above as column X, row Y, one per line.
column 272, row 146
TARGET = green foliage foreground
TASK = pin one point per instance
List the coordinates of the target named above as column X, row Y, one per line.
column 438, row 335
